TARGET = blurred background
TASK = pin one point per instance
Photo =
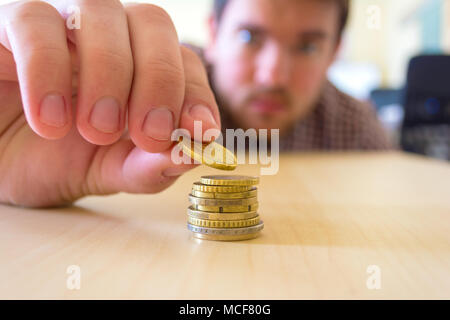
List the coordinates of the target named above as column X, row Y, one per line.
column 393, row 54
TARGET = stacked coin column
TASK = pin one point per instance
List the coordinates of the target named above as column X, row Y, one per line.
column 224, row 208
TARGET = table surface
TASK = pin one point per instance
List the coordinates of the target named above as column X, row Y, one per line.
column 328, row 218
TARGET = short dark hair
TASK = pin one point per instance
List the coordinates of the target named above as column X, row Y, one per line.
column 344, row 6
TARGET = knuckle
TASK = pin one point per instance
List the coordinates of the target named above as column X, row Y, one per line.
column 32, row 10
column 164, row 73
column 102, row 4
column 112, row 60
column 198, row 80
column 150, row 14
column 167, row 65
column 48, row 56
column 200, row 88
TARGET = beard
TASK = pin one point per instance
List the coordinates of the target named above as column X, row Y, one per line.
column 241, row 112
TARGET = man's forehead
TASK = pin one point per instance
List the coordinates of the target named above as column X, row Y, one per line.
column 300, row 15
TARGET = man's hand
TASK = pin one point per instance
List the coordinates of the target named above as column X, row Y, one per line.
column 91, row 110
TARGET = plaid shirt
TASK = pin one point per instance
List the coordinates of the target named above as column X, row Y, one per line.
column 337, row 122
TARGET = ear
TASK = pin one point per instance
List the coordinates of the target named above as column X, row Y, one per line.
column 212, row 38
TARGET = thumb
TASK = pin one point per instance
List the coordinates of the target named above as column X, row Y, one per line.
column 123, row 167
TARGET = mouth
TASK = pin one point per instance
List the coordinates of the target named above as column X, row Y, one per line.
column 267, row 106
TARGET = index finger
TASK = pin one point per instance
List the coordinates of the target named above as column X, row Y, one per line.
column 35, row 34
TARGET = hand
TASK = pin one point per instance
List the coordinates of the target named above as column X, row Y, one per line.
column 90, row 111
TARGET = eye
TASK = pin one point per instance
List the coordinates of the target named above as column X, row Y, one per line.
column 250, row 37
column 307, row 48
column 245, row 36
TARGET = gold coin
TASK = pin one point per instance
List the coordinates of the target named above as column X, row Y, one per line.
column 227, row 195
column 222, row 202
column 230, row 209
column 222, row 223
column 212, row 154
column 226, row 238
column 197, row 186
column 220, row 216
column 229, row 180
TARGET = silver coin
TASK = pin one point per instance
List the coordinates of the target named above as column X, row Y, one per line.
column 226, row 231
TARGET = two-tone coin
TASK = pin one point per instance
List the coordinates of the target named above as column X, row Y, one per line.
column 229, row 180
column 227, row 231
column 192, row 212
column 215, row 237
column 223, row 223
column 227, row 209
column 198, row 186
column 212, row 154
column 225, row 195
column 222, row 202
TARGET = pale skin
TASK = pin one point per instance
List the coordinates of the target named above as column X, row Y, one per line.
column 55, row 147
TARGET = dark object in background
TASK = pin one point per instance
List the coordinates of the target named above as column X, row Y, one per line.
column 426, row 124
column 383, row 97
column 389, row 107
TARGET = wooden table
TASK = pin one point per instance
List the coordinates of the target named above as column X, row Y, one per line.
column 328, row 217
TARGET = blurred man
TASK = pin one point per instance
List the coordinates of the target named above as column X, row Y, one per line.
column 90, row 110
column 268, row 63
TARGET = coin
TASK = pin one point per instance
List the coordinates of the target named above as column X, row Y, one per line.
column 222, row 189
column 226, row 238
column 230, row 209
column 227, row 231
column 222, row 223
column 227, row 195
column 212, row 154
column 220, row 216
column 229, row 180
column 224, row 208
column 222, row 202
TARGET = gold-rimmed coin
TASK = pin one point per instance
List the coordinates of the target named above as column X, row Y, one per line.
column 239, row 237
column 222, row 202
column 227, row 195
column 197, row 186
column 227, row 231
column 223, row 223
column 192, row 212
column 229, row 180
column 229, row 209
column 211, row 154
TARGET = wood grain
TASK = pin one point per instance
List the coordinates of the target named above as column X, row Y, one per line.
column 327, row 218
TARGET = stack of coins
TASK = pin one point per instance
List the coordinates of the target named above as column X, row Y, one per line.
column 224, row 208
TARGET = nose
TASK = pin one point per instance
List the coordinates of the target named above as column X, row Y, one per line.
column 272, row 66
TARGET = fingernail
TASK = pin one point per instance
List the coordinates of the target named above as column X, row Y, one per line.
column 159, row 124
column 105, row 116
column 203, row 113
column 53, row 111
column 175, row 172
